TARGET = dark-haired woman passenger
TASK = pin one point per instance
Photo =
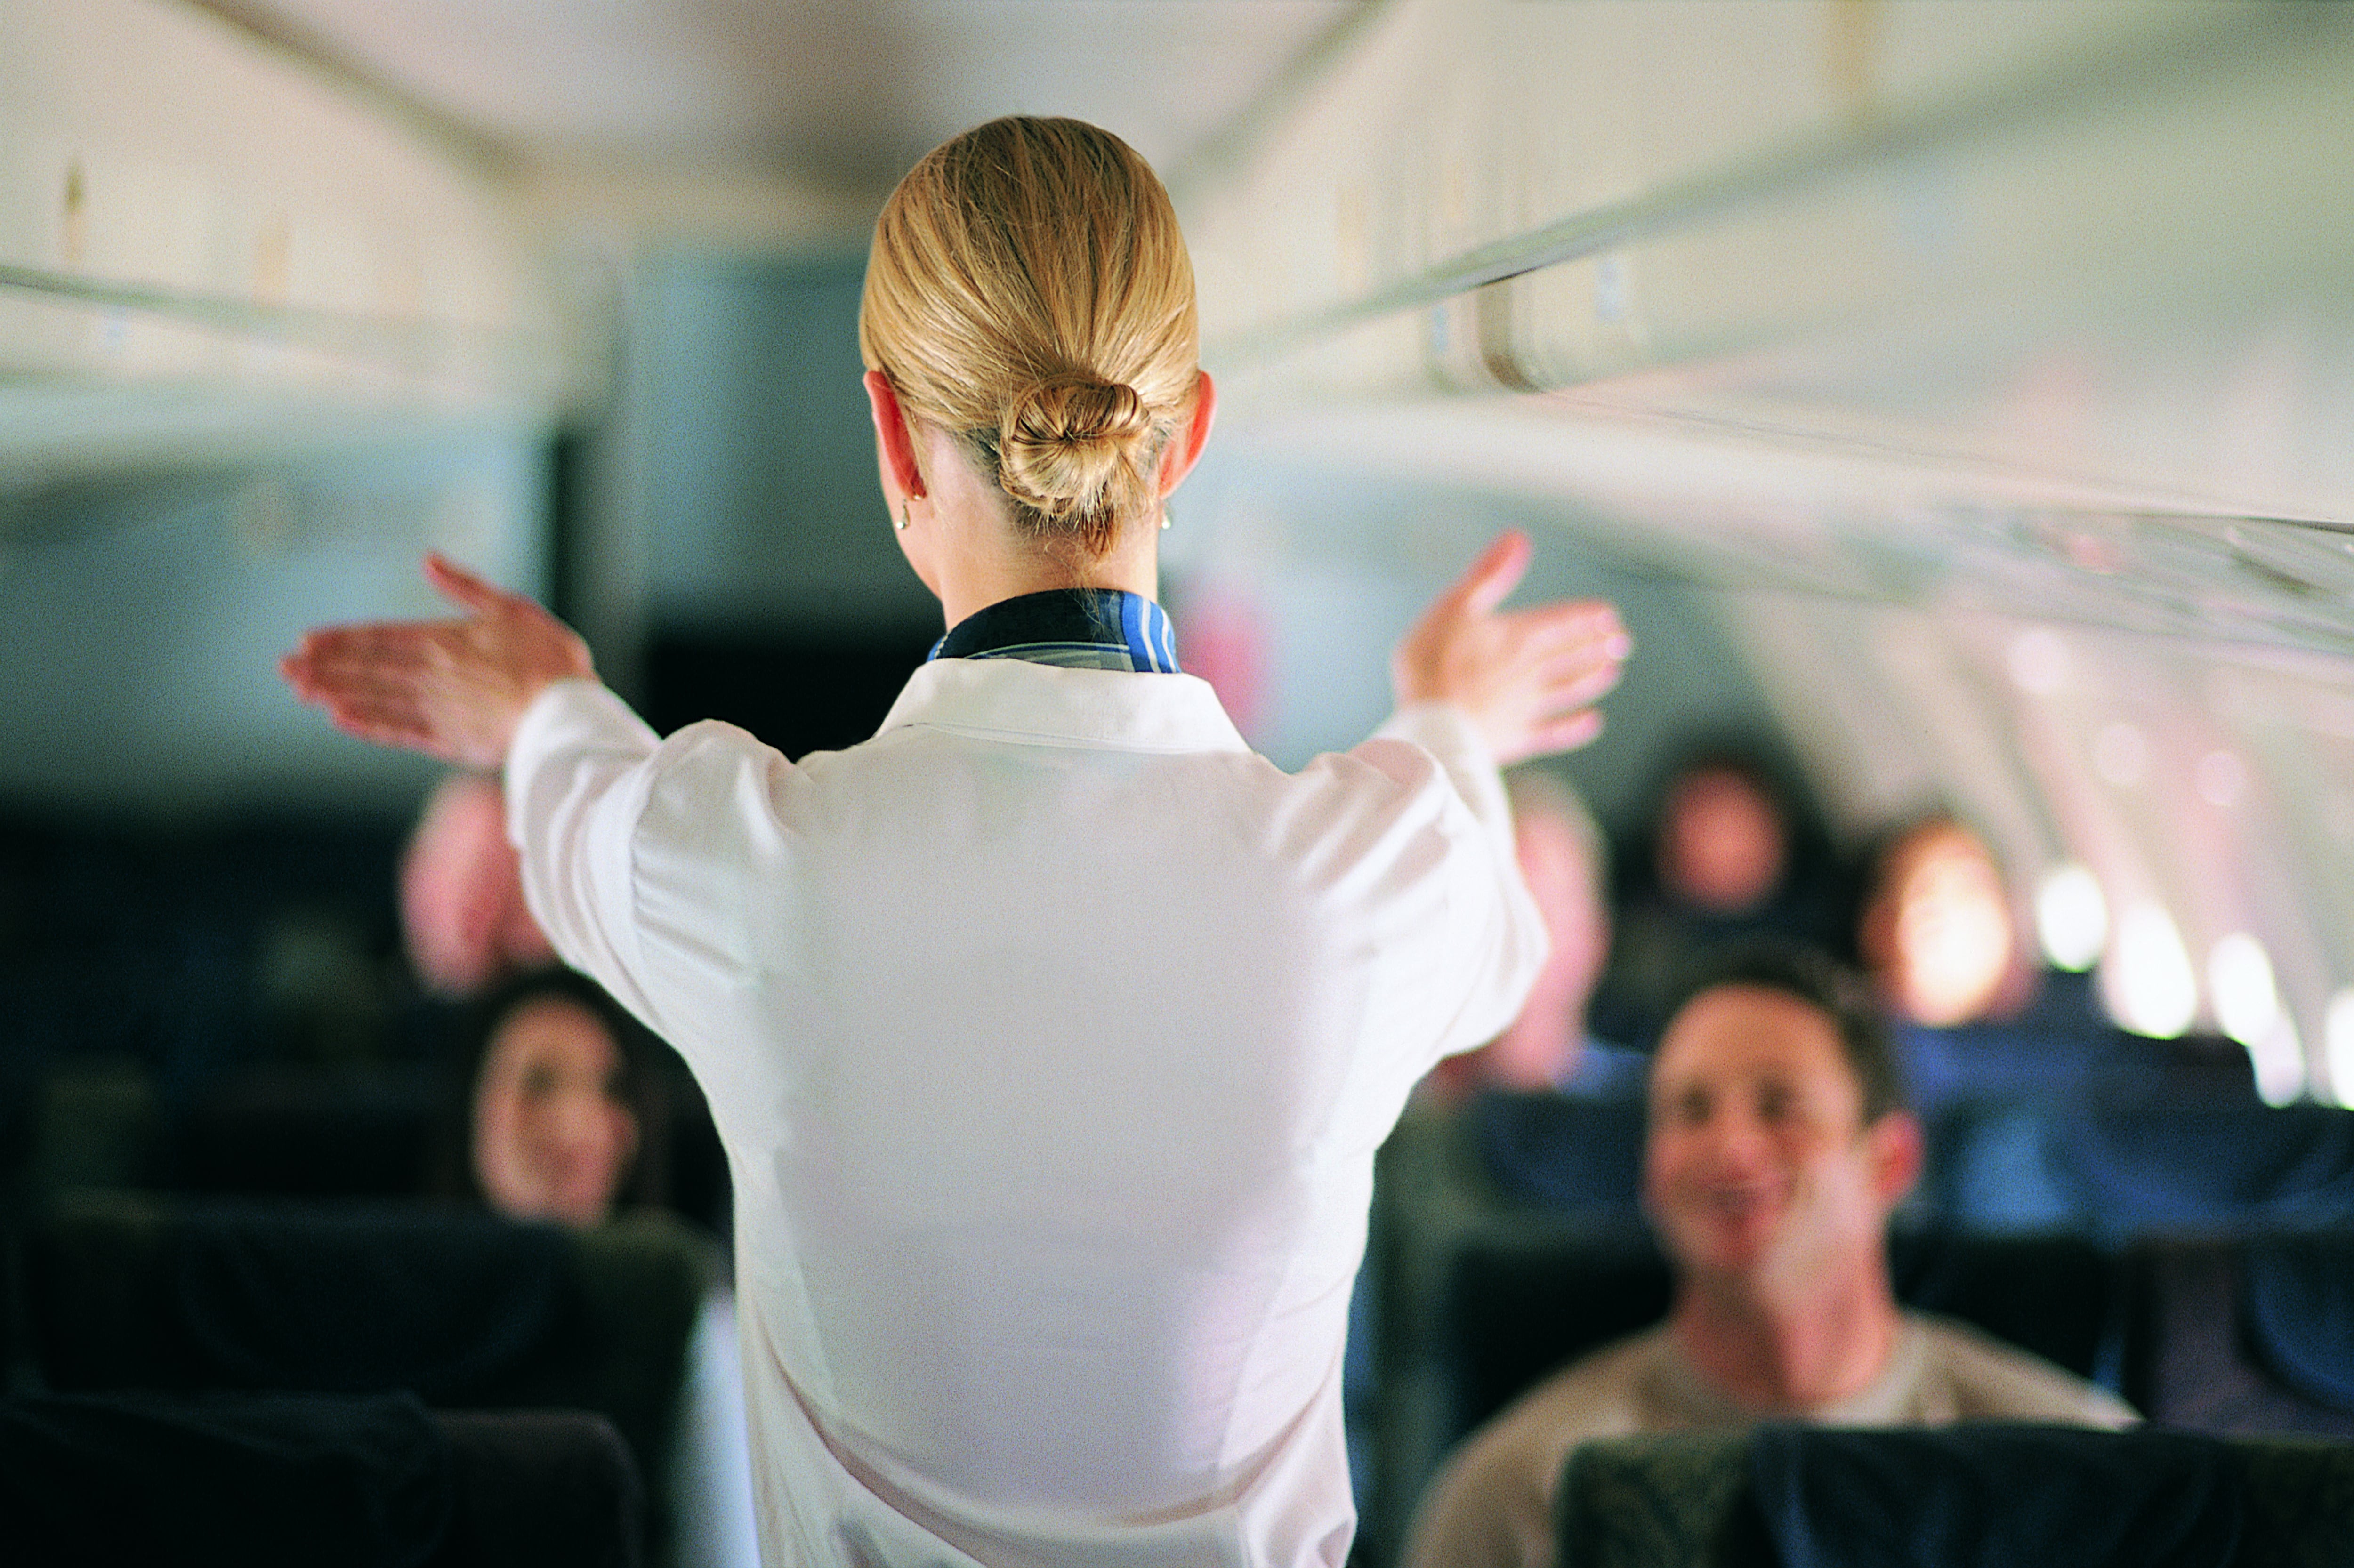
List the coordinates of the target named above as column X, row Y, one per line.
column 1734, row 853
column 559, row 1114
column 562, row 1111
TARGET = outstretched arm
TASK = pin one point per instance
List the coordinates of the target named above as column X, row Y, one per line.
column 1528, row 678
column 452, row 689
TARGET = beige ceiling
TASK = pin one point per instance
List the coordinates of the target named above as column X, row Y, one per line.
column 839, row 95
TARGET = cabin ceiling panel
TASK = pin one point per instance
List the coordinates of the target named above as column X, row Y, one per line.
column 844, row 92
column 1963, row 263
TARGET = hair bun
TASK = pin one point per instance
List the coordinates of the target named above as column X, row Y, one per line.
column 1069, row 445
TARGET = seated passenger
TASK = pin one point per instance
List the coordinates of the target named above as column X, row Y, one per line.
column 1778, row 1146
column 1936, row 932
column 1563, row 860
column 563, row 1112
column 1979, row 1023
column 561, row 1097
column 461, row 909
column 1734, row 856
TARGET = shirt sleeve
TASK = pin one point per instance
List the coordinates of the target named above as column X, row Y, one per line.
column 578, row 773
column 1446, row 731
column 1492, row 921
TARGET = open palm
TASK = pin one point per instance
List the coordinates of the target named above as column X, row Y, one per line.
column 453, row 689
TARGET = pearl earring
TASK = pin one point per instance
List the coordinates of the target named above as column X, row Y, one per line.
column 903, row 515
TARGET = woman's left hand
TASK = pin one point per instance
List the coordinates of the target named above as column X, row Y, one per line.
column 1528, row 678
column 452, row 689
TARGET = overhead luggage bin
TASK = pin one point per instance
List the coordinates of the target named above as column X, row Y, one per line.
column 2089, row 258
column 210, row 251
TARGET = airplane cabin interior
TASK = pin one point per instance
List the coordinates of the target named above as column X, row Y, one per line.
column 1952, row 396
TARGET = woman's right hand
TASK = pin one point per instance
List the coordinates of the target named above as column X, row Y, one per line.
column 1529, row 678
column 452, row 689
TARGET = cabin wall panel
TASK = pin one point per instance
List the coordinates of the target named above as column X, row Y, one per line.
column 146, row 614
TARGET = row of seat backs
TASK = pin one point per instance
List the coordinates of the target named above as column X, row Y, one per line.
column 1988, row 1495
column 190, row 947
column 294, row 1131
column 2113, row 1165
column 2237, row 1334
column 261, row 1481
column 116, row 1292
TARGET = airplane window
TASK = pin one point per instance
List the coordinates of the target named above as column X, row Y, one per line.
column 2100, row 760
column 2072, row 917
column 2240, row 977
column 2339, row 1044
column 2248, row 1009
column 2149, row 985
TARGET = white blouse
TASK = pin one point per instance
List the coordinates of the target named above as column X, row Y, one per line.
column 1050, row 1034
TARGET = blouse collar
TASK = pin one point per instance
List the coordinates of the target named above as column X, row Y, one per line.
column 1073, row 628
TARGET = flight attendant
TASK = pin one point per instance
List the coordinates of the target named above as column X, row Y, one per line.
column 1051, row 1032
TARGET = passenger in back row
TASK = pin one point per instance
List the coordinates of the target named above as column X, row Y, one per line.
column 1738, row 854
column 1563, row 860
column 1778, row 1146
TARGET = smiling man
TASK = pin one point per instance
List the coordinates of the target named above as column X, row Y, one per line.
column 1778, row 1146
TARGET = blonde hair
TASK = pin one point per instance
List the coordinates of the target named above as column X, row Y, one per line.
column 1029, row 291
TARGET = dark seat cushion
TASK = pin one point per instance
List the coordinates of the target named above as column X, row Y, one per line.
column 541, row 1489
column 457, row 1308
column 465, row 1310
column 1514, row 1309
column 246, row 1480
column 2299, row 1307
column 307, row 1131
column 2199, row 1359
column 1555, row 1152
column 2172, row 1166
column 261, row 1480
column 2059, row 1296
column 1677, row 1500
column 1694, row 1500
column 1997, row 1495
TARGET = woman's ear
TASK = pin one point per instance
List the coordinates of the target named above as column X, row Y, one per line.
column 894, row 443
column 1178, row 458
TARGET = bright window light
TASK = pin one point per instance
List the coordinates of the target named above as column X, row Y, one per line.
column 2152, row 988
column 2248, row 1009
column 2279, row 1062
column 2337, row 1030
column 2240, row 978
column 2039, row 661
column 2072, row 917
